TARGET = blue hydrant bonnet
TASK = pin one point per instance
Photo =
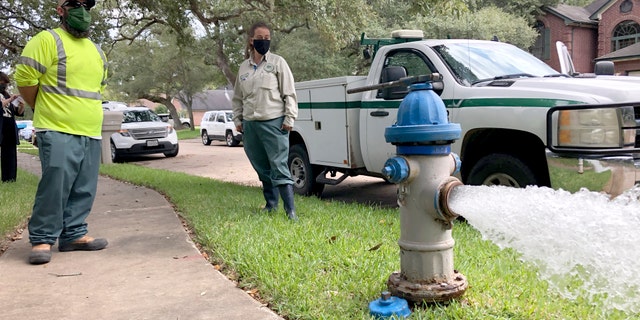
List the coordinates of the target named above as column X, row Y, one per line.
column 422, row 120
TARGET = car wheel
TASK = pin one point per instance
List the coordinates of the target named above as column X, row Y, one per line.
column 503, row 170
column 173, row 153
column 302, row 172
column 231, row 141
column 186, row 125
column 114, row 153
column 205, row 138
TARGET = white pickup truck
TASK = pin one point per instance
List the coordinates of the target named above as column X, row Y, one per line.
column 523, row 123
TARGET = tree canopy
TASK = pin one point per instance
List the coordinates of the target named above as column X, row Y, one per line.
column 176, row 48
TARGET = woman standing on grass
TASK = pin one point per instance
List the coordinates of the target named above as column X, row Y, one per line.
column 264, row 109
column 9, row 131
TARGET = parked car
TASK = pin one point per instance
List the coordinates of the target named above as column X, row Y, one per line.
column 166, row 117
column 25, row 129
column 142, row 132
column 218, row 125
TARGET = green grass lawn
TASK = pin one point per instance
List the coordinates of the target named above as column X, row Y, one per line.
column 323, row 267
column 188, row 133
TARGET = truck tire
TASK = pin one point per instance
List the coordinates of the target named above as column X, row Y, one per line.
column 114, row 154
column 231, row 141
column 173, row 153
column 502, row 169
column 205, row 138
column 303, row 173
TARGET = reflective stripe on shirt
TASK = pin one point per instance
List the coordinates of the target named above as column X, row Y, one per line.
column 61, row 87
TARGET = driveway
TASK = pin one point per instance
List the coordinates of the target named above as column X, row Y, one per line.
column 230, row 164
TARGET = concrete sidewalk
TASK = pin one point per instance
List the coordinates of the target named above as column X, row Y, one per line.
column 150, row 270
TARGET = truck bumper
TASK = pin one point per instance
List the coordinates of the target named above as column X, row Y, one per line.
column 612, row 175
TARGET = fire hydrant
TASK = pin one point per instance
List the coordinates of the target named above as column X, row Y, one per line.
column 423, row 167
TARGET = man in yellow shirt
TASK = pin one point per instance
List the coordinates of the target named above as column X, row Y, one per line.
column 61, row 75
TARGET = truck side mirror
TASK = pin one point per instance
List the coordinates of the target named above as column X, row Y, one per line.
column 604, row 68
column 389, row 74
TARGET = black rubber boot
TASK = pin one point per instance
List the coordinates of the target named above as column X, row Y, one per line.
column 286, row 192
column 271, row 197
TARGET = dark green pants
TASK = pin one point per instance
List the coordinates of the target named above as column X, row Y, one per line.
column 267, row 147
column 67, row 187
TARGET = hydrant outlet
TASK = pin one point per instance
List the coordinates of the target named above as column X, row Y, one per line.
column 443, row 194
column 396, row 169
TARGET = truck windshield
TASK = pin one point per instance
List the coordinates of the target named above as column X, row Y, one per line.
column 473, row 62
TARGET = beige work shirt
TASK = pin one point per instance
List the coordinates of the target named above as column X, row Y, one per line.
column 265, row 91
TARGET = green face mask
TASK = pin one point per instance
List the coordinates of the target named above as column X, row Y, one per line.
column 79, row 19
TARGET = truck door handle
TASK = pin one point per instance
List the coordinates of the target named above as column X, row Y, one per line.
column 379, row 113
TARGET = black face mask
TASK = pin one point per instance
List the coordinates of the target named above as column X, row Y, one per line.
column 261, row 46
column 3, row 87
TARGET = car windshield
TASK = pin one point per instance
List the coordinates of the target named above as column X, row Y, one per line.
column 474, row 62
column 139, row 116
column 229, row 116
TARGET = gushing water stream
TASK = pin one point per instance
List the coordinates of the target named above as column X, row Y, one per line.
column 584, row 244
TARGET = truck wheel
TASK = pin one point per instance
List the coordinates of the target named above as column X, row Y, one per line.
column 231, row 141
column 205, row 138
column 503, row 170
column 304, row 177
column 114, row 154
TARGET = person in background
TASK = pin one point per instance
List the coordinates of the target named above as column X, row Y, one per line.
column 264, row 109
column 61, row 75
column 12, row 106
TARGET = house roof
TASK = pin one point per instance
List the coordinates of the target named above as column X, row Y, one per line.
column 597, row 7
column 572, row 14
column 632, row 51
column 589, row 14
column 219, row 99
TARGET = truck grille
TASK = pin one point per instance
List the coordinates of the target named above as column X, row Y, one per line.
column 148, row 133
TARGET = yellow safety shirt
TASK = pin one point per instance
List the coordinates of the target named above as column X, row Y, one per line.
column 71, row 75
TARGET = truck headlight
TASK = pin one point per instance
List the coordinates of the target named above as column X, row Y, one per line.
column 124, row 133
column 597, row 128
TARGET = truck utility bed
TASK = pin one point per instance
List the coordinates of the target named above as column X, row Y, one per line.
column 326, row 112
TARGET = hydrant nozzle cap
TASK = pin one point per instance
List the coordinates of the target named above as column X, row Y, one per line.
column 396, row 169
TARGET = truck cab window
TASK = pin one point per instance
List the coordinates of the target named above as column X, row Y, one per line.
column 413, row 64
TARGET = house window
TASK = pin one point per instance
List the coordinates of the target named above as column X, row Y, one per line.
column 540, row 48
column 626, row 6
column 625, row 34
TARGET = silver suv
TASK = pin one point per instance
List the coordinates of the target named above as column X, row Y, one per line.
column 218, row 125
column 142, row 132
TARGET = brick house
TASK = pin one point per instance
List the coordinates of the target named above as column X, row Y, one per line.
column 219, row 99
column 605, row 30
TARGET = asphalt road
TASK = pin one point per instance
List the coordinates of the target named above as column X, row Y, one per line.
column 230, row 164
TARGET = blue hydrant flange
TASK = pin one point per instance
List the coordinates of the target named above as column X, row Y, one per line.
column 422, row 120
column 387, row 306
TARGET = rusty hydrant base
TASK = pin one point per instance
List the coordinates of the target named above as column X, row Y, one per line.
column 430, row 292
